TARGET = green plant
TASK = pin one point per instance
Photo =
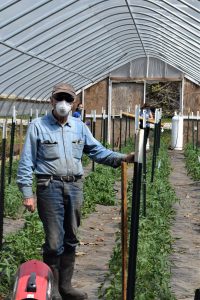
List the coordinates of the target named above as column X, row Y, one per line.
column 192, row 161
column 98, row 188
column 18, row 248
column 154, row 244
column 13, row 201
column 85, row 160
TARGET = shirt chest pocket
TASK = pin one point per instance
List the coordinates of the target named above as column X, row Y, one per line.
column 77, row 150
column 49, row 150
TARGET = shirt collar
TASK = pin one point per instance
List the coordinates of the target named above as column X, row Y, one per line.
column 53, row 120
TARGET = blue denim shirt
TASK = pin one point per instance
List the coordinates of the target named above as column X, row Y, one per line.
column 53, row 149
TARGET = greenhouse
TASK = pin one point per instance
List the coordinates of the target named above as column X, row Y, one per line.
column 100, row 99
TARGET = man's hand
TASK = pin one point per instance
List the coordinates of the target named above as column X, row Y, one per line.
column 130, row 157
column 29, row 203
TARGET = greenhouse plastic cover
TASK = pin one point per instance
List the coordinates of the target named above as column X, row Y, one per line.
column 44, row 42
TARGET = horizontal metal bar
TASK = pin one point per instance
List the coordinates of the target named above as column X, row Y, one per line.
column 46, row 76
column 8, row 4
column 75, row 59
column 41, row 59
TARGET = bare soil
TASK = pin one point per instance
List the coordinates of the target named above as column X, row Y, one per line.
column 185, row 230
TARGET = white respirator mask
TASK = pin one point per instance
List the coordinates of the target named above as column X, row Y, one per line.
column 63, row 108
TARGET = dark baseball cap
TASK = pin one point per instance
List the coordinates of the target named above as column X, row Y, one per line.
column 64, row 88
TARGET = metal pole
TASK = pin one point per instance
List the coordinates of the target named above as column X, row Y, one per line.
column 113, row 130
column 124, row 229
column 126, row 130
column 94, row 133
column 12, row 140
column 108, row 123
column 91, row 121
column 188, row 125
column 197, row 137
column 154, row 146
column 20, row 136
column 2, row 186
column 31, row 115
column 135, row 215
column 101, row 139
column 84, row 115
column 129, row 124
column 104, row 128
column 120, row 131
column 144, row 164
column 159, row 127
column 192, row 116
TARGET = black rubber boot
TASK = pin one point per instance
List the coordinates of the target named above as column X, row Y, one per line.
column 66, row 271
column 54, row 263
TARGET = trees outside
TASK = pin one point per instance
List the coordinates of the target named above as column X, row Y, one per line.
column 165, row 95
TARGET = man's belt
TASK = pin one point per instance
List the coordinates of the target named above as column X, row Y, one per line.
column 67, row 178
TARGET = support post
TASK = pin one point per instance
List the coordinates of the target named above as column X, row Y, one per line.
column 2, row 186
column 109, row 110
column 12, row 141
column 135, row 215
column 124, row 229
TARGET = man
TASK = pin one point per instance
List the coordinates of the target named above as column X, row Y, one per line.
column 53, row 149
column 78, row 111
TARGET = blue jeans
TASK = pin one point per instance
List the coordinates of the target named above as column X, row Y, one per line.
column 59, row 208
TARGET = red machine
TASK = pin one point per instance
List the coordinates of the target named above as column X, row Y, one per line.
column 34, row 280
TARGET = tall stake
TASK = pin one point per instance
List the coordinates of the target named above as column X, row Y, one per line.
column 84, row 115
column 20, row 137
column 113, row 130
column 197, row 137
column 129, row 123
column 124, row 229
column 188, row 125
column 31, row 115
column 101, row 139
column 192, row 116
column 131, row 283
column 120, row 131
column 144, row 164
column 155, row 143
column 91, row 121
column 93, row 132
column 12, row 140
column 104, row 127
column 2, row 187
column 126, row 131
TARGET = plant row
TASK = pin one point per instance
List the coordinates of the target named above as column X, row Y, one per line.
column 154, row 244
column 192, row 160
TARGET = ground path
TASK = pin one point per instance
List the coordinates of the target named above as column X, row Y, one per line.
column 185, row 230
column 97, row 235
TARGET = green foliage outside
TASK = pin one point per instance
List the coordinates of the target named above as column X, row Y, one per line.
column 155, row 241
column 192, row 161
column 165, row 95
